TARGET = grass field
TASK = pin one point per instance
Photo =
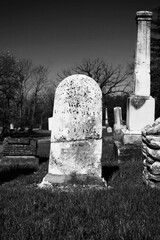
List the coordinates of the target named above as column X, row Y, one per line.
column 130, row 210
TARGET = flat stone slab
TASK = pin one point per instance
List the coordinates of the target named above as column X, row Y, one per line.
column 131, row 137
column 56, row 178
column 73, row 187
column 26, row 161
column 127, row 152
column 73, row 180
column 25, row 141
column 20, row 146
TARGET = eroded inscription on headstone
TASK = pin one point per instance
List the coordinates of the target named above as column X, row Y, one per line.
column 76, row 137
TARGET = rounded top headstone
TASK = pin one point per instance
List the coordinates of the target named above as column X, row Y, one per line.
column 77, row 110
column 75, row 78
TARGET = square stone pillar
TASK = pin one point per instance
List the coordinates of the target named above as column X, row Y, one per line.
column 140, row 112
column 141, row 106
column 142, row 59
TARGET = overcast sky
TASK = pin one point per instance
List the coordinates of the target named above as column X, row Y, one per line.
column 60, row 34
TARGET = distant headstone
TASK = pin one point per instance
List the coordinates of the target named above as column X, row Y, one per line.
column 106, row 117
column 11, row 126
column 76, row 130
column 20, row 151
column 117, row 119
column 109, row 130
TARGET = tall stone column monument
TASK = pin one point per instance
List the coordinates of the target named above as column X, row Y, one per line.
column 141, row 106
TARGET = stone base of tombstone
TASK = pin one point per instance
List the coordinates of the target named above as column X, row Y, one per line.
column 128, row 140
column 140, row 112
column 127, row 153
column 151, row 154
column 82, row 158
column 127, row 145
column 131, row 137
column 56, row 178
column 20, row 161
column 73, row 178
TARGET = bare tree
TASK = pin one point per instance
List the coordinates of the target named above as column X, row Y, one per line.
column 24, row 77
column 46, row 101
column 8, row 87
column 110, row 79
column 39, row 80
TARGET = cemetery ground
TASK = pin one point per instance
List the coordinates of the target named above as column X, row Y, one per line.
column 128, row 210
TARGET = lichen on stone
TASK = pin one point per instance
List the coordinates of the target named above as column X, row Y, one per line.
column 76, row 139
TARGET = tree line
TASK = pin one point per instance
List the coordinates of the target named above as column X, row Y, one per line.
column 26, row 99
column 27, row 94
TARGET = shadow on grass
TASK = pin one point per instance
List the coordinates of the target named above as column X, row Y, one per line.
column 109, row 172
column 43, row 159
column 10, row 173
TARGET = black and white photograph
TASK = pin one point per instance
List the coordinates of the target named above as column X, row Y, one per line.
column 79, row 120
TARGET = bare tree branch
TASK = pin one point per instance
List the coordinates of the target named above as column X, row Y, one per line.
column 110, row 79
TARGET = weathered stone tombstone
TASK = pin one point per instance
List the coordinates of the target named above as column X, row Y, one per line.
column 20, row 152
column 76, row 130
